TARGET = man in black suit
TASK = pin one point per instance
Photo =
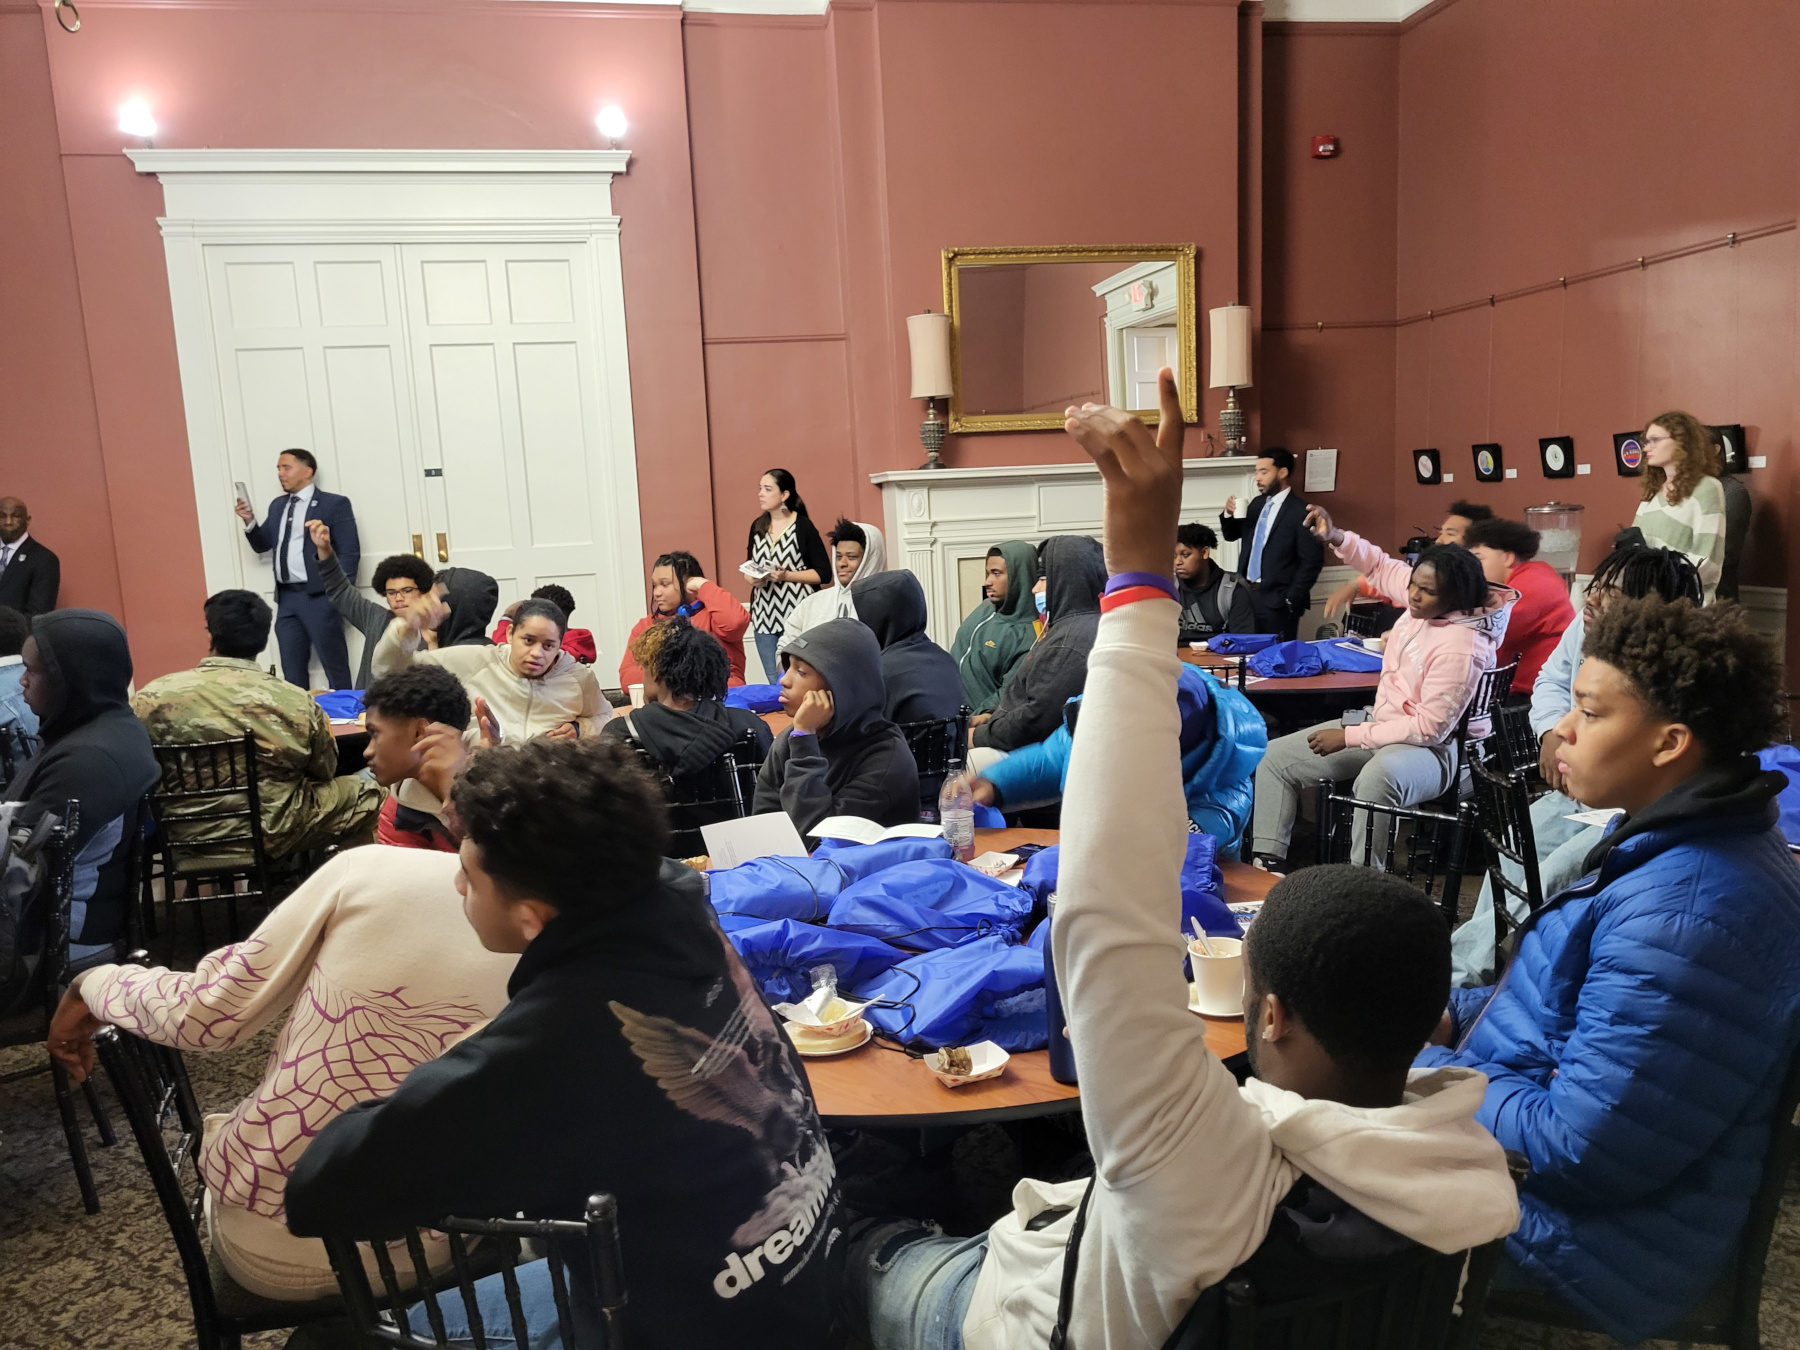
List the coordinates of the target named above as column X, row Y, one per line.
column 29, row 573
column 305, row 620
column 1283, row 557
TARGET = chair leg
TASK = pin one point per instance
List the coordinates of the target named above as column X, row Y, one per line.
column 102, row 1125
column 65, row 1106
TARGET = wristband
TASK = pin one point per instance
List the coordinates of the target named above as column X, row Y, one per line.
column 797, row 731
column 1123, row 580
column 1131, row 595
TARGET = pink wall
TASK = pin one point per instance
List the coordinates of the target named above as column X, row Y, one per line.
column 1524, row 158
column 1065, row 336
column 990, row 348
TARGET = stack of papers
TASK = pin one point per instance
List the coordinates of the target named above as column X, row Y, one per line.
column 754, row 571
column 861, row 830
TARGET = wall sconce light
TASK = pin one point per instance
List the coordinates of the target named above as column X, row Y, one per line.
column 612, row 124
column 135, row 119
column 929, row 336
column 1231, row 371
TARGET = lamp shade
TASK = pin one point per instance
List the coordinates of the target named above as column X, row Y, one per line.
column 1231, row 347
column 929, row 335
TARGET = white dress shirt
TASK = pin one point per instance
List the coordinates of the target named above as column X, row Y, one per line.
column 296, row 555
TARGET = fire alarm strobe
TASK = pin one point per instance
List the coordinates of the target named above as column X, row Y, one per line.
column 1325, row 147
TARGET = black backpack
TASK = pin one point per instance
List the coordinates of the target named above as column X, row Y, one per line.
column 27, row 886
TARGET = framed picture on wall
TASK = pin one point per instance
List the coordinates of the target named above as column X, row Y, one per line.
column 1628, row 453
column 1489, row 467
column 1427, row 467
column 1733, row 448
column 1558, row 456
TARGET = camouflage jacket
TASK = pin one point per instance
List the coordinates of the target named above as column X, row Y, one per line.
column 222, row 698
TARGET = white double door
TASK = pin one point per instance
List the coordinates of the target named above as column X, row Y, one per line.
column 453, row 392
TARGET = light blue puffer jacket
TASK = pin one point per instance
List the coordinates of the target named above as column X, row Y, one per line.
column 1635, row 1047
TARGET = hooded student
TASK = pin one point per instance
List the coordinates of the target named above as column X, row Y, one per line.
column 1002, row 628
column 78, row 669
column 472, row 596
column 1031, row 705
column 857, row 551
column 923, row 683
column 684, row 724
column 842, row 756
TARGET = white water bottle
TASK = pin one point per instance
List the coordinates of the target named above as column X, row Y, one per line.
column 956, row 813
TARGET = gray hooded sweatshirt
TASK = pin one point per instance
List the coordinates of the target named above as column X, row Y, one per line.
column 1054, row 671
column 859, row 765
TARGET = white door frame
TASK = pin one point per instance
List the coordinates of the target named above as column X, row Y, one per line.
column 395, row 197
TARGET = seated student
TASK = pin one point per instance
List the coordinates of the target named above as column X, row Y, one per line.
column 1212, row 600
column 1455, row 524
column 531, row 685
column 1562, row 843
column 857, row 551
column 306, row 803
column 577, row 642
column 636, row 1058
column 399, row 710
column 1055, row 670
column 678, row 586
column 1636, row 1047
column 381, row 973
column 469, row 599
column 1508, row 554
column 1404, row 753
column 923, row 681
column 16, row 717
column 1193, row 1175
column 841, row 757
column 77, row 680
column 1222, row 741
column 1000, row 630
column 684, row 724
column 398, row 580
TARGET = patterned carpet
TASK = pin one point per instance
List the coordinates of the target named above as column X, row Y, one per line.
column 111, row 1281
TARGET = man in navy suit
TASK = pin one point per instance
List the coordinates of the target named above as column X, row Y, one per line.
column 1283, row 557
column 305, row 620
column 30, row 574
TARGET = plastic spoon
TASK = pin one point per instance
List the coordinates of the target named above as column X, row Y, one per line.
column 1200, row 936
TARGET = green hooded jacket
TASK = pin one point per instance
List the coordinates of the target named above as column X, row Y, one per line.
column 993, row 640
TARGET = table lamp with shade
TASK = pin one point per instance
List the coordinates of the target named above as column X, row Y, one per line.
column 929, row 337
column 1231, row 371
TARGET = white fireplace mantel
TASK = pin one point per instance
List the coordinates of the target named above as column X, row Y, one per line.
column 939, row 519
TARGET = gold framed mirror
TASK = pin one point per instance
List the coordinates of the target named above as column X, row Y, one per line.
column 1033, row 330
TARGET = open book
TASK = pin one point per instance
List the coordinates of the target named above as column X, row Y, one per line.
column 860, row 830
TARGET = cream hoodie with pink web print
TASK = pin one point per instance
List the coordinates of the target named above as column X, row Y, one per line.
column 382, row 973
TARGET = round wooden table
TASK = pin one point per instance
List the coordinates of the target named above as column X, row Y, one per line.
column 882, row 1088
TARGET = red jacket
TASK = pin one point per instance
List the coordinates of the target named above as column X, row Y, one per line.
column 577, row 642
column 719, row 612
column 1537, row 622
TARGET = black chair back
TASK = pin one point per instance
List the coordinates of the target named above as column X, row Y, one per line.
column 704, row 798
column 1503, row 807
column 1490, row 691
column 208, row 813
column 1428, row 848
column 748, row 754
column 1514, row 745
column 1361, row 623
column 595, row 1241
column 16, row 749
column 937, row 748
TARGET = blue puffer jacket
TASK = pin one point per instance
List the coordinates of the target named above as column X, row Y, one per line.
column 1223, row 740
column 1635, row 1047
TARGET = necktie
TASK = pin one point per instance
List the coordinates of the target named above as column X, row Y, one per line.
column 1254, row 571
column 6, row 552
column 282, row 572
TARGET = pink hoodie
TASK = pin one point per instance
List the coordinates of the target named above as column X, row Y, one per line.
column 1428, row 670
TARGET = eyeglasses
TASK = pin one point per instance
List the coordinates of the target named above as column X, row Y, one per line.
column 1650, row 440
column 400, row 592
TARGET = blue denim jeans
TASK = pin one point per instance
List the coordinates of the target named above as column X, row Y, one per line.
column 767, row 645
column 535, row 1297
column 907, row 1287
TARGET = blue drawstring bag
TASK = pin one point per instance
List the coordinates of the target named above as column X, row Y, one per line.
column 765, row 889
column 1287, row 659
column 1786, row 758
column 864, row 860
column 1202, row 886
column 989, row 818
column 935, row 903
column 1239, row 644
column 1347, row 654
column 757, row 698
column 985, row 990
column 343, row 705
column 779, row 956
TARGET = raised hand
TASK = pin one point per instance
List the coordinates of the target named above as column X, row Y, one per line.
column 428, row 611
column 814, row 711
column 487, row 726
column 1142, row 473
column 321, row 537
column 442, row 754
column 1318, row 520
